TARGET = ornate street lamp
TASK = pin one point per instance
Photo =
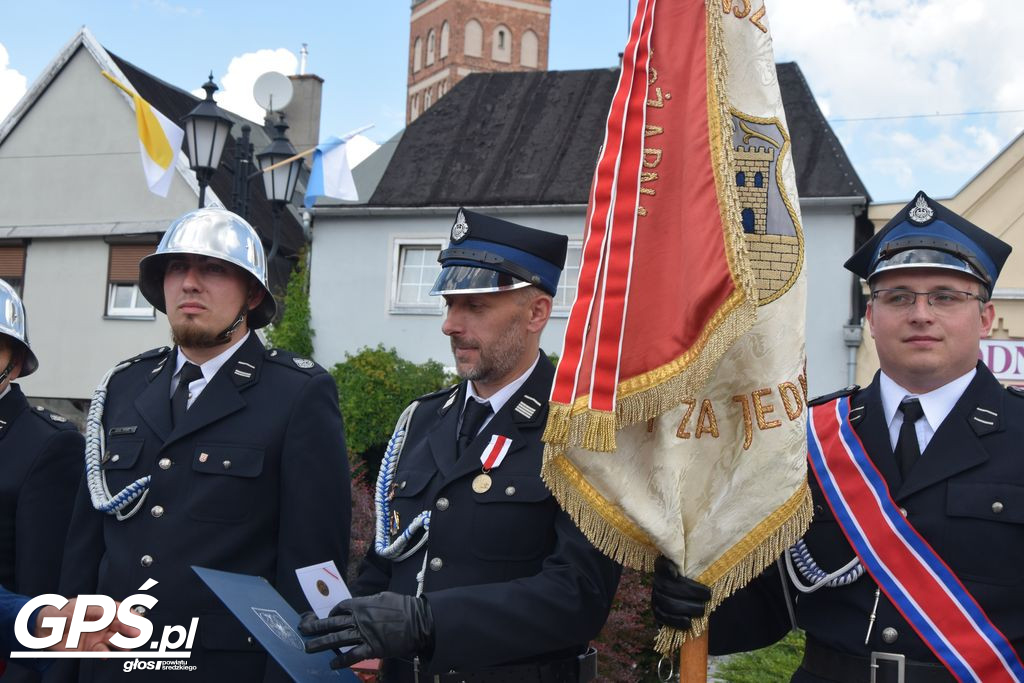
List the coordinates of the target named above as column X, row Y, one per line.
column 280, row 167
column 206, row 130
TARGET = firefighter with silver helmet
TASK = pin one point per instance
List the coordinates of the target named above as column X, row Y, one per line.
column 216, row 453
column 40, row 468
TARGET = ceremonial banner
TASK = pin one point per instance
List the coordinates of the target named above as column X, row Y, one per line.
column 677, row 421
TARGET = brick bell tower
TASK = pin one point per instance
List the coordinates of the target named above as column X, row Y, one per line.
column 449, row 39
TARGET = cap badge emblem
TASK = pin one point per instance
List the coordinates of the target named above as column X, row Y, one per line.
column 921, row 213
column 461, row 228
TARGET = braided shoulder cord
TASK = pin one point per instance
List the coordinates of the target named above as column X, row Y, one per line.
column 395, row 551
column 95, row 443
column 800, row 556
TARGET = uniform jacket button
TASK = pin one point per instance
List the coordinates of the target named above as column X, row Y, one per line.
column 436, row 564
column 115, row 457
column 441, row 504
column 889, row 635
column 146, row 561
column 139, row 609
column 997, row 507
column 165, row 463
column 510, row 491
column 157, row 511
column 226, row 464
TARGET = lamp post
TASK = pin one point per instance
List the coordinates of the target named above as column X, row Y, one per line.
column 207, row 128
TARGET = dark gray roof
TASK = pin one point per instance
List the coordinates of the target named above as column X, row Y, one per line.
column 533, row 138
column 822, row 167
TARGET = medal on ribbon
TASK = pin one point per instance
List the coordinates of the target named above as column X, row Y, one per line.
column 491, row 458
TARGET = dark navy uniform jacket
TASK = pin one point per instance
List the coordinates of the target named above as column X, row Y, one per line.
column 254, row 480
column 965, row 496
column 509, row 577
column 40, row 468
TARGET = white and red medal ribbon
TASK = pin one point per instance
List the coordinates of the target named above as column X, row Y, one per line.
column 495, row 451
column 913, row 576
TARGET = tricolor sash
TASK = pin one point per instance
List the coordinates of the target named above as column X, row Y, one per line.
column 906, row 568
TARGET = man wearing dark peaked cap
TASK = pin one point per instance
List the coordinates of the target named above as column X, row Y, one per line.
column 40, row 467
column 217, row 453
column 940, row 440
column 476, row 574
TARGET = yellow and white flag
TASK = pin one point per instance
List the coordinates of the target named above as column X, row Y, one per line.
column 159, row 141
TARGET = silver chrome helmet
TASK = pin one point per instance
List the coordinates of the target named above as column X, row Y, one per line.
column 12, row 324
column 217, row 233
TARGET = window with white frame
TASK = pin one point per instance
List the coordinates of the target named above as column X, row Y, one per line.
column 566, row 293
column 414, row 271
column 124, row 299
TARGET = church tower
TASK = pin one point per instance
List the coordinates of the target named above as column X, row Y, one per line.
column 449, row 39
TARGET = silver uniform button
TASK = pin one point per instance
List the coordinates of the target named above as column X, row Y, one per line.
column 226, row 464
column 903, row 511
column 997, row 507
column 146, row 561
column 139, row 609
column 157, row 511
column 165, row 463
column 441, row 504
column 436, row 564
column 115, row 457
column 402, row 484
column 889, row 635
column 510, row 491
column 248, row 639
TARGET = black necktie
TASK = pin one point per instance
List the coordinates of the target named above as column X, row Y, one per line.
column 179, row 401
column 907, row 448
column 473, row 417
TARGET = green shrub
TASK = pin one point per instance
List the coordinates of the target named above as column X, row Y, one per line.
column 375, row 385
column 774, row 663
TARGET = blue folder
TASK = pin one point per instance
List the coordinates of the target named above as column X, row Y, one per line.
column 274, row 623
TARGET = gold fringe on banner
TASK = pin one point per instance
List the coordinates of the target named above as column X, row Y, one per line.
column 744, row 561
column 556, row 431
column 603, row 523
column 599, row 432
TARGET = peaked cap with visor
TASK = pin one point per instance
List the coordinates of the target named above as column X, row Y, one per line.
column 925, row 234
column 488, row 254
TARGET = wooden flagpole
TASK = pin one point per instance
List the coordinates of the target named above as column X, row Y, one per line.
column 693, row 660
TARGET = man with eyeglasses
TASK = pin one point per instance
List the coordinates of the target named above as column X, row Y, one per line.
column 913, row 567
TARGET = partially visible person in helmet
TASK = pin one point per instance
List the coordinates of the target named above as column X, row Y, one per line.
column 216, row 452
column 40, row 468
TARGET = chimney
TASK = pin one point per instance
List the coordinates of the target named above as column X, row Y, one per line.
column 303, row 112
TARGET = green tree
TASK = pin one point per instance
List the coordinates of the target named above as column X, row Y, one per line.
column 293, row 330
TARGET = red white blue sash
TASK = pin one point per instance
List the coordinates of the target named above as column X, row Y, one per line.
column 914, row 578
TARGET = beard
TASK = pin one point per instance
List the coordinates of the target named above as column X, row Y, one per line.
column 498, row 359
column 188, row 335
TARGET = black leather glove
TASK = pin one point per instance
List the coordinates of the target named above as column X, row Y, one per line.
column 675, row 599
column 378, row 626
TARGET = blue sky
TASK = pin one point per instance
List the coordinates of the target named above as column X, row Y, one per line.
column 862, row 58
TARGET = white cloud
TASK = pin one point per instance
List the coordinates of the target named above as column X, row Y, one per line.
column 235, row 94
column 12, row 84
column 869, row 58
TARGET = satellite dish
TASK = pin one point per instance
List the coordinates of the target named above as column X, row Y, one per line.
column 272, row 91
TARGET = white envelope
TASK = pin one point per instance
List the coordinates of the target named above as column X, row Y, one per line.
column 323, row 586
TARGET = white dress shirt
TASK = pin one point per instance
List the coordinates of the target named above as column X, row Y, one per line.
column 209, row 369
column 936, row 405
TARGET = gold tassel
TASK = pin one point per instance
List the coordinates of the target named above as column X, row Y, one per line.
column 604, row 524
column 795, row 517
column 556, row 431
column 599, row 432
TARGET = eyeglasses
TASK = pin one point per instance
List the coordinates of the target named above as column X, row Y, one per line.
column 941, row 299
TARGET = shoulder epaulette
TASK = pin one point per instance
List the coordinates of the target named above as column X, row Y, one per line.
column 146, row 355
column 821, row 400
column 55, row 420
column 1017, row 391
column 294, row 361
column 436, row 394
